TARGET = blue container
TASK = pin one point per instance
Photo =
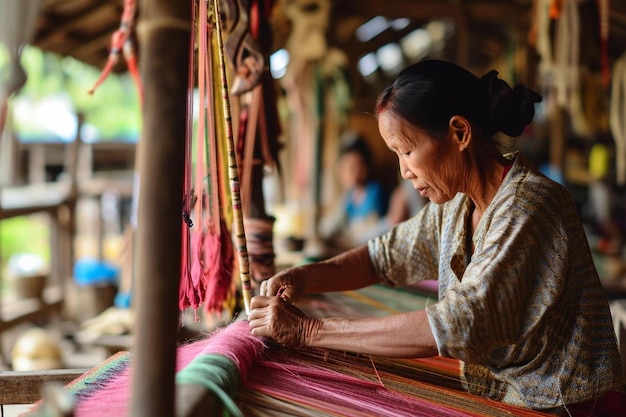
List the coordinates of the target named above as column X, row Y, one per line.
column 95, row 272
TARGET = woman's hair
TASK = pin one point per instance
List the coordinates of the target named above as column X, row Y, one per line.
column 359, row 146
column 427, row 94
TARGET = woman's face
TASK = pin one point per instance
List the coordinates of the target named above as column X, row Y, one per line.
column 432, row 165
column 353, row 171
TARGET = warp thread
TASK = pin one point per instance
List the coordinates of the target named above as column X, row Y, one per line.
column 109, row 394
column 307, row 381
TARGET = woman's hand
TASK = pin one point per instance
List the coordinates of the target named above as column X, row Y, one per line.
column 277, row 319
column 287, row 284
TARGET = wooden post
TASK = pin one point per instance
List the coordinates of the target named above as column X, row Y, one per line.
column 164, row 36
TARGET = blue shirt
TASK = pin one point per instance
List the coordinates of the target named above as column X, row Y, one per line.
column 374, row 202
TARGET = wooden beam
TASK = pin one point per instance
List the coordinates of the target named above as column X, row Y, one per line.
column 25, row 387
column 418, row 10
column 478, row 11
column 52, row 32
column 164, row 32
column 358, row 49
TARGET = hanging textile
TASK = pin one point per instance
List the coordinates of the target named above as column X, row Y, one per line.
column 207, row 250
column 208, row 255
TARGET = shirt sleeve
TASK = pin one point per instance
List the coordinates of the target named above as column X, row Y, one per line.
column 408, row 253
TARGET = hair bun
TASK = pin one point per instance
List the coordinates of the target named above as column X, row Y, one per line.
column 509, row 110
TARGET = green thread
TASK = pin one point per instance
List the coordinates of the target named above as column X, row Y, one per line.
column 216, row 373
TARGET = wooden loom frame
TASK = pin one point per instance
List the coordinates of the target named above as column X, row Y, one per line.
column 163, row 33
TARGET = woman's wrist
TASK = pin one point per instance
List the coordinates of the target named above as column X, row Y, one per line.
column 309, row 331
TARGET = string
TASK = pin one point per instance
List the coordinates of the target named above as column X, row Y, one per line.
column 212, row 149
column 233, row 173
column 563, row 402
column 376, row 371
column 186, row 291
column 324, row 382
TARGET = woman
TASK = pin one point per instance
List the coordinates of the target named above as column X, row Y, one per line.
column 520, row 303
column 364, row 202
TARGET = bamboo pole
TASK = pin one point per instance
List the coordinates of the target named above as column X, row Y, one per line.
column 164, row 35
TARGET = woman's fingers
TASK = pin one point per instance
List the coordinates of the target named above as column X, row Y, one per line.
column 277, row 319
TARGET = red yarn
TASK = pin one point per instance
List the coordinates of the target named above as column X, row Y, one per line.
column 218, row 249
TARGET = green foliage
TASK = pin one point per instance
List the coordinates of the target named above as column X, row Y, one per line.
column 113, row 110
column 24, row 234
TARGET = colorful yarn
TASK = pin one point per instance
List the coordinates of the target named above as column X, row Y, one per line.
column 233, row 172
column 105, row 391
column 208, row 254
column 218, row 375
column 310, row 382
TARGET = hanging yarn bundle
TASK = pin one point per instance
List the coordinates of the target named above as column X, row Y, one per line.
column 207, row 246
column 208, row 255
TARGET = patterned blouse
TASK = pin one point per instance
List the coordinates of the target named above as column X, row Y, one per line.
column 525, row 313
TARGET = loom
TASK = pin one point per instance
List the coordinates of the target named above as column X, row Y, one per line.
column 264, row 379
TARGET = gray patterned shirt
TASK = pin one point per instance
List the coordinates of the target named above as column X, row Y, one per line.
column 525, row 313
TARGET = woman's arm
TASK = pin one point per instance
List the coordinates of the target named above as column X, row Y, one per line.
column 405, row 335
column 402, row 335
column 348, row 271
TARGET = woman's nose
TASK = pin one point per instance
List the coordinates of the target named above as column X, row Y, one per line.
column 405, row 172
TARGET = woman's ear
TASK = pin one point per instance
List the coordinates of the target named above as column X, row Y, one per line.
column 461, row 131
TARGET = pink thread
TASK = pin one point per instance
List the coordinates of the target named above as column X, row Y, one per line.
column 219, row 269
column 320, row 389
column 235, row 342
column 293, row 378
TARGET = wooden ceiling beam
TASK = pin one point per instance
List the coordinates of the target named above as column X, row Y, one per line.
column 359, row 49
column 93, row 46
column 50, row 32
column 421, row 10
